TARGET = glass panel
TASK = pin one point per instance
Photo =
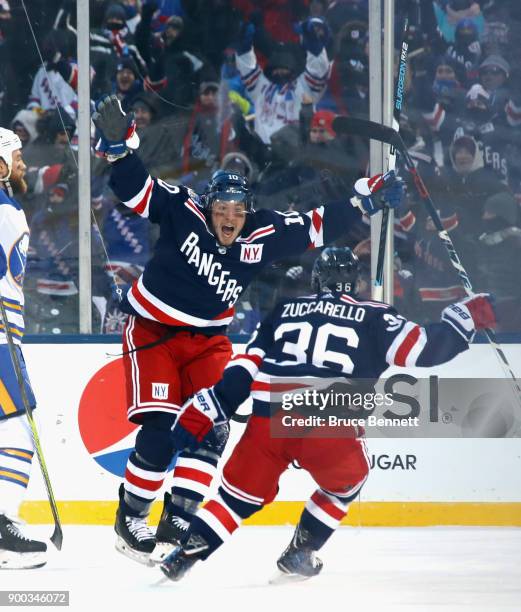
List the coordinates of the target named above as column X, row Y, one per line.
column 462, row 127
column 176, row 67
column 40, row 106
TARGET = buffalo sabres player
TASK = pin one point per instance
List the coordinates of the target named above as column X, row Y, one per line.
column 16, row 444
column 330, row 334
column 209, row 250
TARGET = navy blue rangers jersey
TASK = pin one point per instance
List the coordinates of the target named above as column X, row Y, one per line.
column 193, row 281
column 337, row 336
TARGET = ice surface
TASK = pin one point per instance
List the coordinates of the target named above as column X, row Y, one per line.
column 365, row 569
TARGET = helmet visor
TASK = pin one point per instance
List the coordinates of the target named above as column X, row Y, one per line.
column 230, row 195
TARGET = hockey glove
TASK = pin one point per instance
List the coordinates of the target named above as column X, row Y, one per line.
column 315, row 34
column 196, row 420
column 245, row 42
column 471, row 314
column 372, row 194
column 117, row 130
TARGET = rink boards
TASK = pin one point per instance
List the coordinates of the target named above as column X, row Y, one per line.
column 414, row 481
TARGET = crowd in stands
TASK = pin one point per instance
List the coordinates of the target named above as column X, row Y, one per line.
column 254, row 86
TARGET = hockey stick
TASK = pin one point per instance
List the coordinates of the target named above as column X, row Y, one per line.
column 366, row 129
column 57, row 536
column 373, row 130
column 397, row 108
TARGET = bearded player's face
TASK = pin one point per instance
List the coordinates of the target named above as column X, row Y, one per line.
column 18, row 169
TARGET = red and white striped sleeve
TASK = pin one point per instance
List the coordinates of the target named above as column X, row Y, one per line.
column 136, row 189
column 406, row 344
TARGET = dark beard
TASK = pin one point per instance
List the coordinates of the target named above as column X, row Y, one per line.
column 19, row 186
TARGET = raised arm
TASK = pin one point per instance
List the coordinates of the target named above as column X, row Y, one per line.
column 129, row 179
column 407, row 344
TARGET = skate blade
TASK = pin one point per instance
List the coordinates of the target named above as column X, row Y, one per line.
column 283, row 578
column 161, row 552
column 13, row 560
column 140, row 557
column 161, row 581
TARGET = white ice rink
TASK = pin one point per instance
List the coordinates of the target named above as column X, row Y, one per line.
column 365, row 569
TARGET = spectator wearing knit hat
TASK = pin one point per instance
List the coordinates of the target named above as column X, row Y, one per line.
column 467, row 48
column 174, row 64
column 494, row 70
column 127, row 82
column 24, row 125
column 321, row 128
column 446, row 98
column 209, row 134
column 160, row 137
column 110, row 43
column 278, row 90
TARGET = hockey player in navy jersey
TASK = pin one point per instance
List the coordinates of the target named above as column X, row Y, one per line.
column 209, row 250
column 16, row 443
column 332, row 334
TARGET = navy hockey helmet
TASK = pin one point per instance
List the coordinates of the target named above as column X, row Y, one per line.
column 336, row 269
column 229, row 187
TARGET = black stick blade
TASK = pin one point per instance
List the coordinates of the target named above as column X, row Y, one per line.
column 366, row 129
column 57, row 536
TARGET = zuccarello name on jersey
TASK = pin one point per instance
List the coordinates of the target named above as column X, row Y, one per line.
column 330, row 309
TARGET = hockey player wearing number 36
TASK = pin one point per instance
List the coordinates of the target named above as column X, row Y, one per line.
column 16, row 444
column 209, row 249
column 330, row 334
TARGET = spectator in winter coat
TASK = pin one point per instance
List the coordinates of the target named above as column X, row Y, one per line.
column 499, row 246
column 469, row 184
column 173, row 64
column 278, row 90
column 466, row 48
column 348, row 88
column 449, row 13
column 109, row 45
column 24, row 125
column 160, row 138
column 209, row 135
column 127, row 82
column 49, row 88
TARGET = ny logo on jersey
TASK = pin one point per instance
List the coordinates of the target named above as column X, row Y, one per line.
column 251, row 253
column 160, row 391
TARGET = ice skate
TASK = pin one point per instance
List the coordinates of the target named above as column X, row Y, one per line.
column 298, row 561
column 182, row 558
column 16, row 550
column 135, row 538
column 170, row 534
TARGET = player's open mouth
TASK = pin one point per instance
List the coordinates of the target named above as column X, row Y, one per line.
column 228, row 230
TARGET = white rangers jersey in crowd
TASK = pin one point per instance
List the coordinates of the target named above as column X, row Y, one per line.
column 279, row 105
column 50, row 90
column 14, row 242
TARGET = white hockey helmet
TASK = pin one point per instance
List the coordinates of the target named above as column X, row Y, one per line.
column 9, row 143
